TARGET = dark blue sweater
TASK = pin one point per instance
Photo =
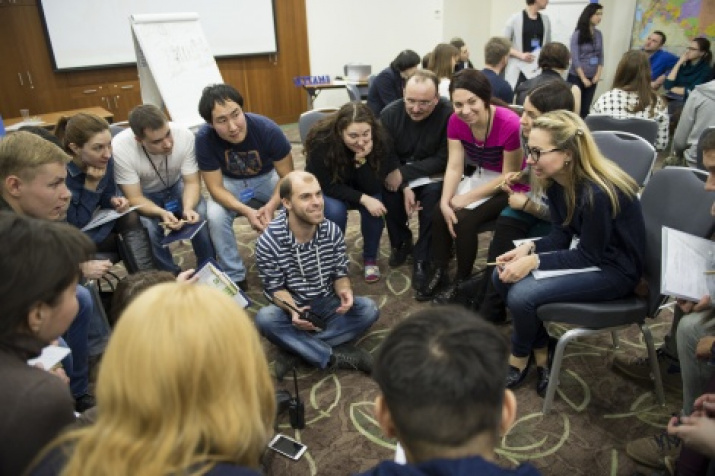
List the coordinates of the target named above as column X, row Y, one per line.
column 450, row 467
column 618, row 243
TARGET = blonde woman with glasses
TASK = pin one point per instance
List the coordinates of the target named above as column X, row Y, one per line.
column 592, row 203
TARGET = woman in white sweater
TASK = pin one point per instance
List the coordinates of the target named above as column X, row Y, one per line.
column 632, row 95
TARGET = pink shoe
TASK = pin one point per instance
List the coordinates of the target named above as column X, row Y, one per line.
column 372, row 271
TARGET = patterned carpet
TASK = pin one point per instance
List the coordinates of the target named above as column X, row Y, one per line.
column 596, row 411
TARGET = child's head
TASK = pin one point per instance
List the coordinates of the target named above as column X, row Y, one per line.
column 442, row 375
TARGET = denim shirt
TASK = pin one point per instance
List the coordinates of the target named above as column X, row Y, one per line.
column 85, row 202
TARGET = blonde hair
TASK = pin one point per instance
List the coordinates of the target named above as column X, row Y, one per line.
column 569, row 133
column 184, row 384
column 22, row 153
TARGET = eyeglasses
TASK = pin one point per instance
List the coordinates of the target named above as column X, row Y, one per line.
column 537, row 153
column 690, row 48
column 421, row 104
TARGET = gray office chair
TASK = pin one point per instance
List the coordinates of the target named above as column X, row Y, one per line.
column 370, row 80
column 665, row 203
column 353, row 92
column 699, row 153
column 645, row 128
column 631, row 152
column 308, row 118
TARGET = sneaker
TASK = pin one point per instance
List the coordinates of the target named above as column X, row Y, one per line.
column 84, row 403
column 349, row 357
column 372, row 271
column 652, row 450
column 284, row 363
column 640, row 369
column 399, row 255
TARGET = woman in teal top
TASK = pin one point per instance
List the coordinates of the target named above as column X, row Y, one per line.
column 693, row 68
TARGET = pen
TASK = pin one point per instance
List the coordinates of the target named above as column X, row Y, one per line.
column 710, row 271
column 167, row 223
column 503, row 182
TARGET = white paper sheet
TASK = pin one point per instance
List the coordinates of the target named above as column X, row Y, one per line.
column 50, row 356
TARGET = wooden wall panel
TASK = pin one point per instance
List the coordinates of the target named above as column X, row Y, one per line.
column 265, row 81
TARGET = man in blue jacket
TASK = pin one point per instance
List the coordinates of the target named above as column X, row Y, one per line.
column 661, row 62
column 441, row 374
column 302, row 263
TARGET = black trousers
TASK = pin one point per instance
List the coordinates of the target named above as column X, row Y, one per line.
column 396, row 219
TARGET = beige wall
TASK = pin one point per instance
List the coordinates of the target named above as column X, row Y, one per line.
column 374, row 31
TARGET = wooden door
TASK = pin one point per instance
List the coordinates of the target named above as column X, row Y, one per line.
column 27, row 80
column 15, row 90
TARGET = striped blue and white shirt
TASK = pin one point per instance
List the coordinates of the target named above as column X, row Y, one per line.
column 306, row 270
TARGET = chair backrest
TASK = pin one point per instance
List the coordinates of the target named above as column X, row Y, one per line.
column 353, row 92
column 631, row 152
column 699, row 154
column 370, row 80
column 308, row 118
column 115, row 129
column 645, row 128
column 675, row 197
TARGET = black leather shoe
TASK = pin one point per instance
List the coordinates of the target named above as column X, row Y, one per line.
column 399, row 255
column 436, row 283
column 543, row 374
column 419, row 275
column 449, row 296
column 542, row 380
column 515, row 377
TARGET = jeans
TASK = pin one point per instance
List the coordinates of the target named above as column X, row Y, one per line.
column 696, row 373
column 316, row 347
column 98, row 330
column 221, row 221
column 201, row 242
column 524, row 297
column 371, row 227
column 77, row 339
column 397, row 222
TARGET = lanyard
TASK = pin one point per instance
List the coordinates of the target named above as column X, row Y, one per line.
column 166, row 167
column 486, row 136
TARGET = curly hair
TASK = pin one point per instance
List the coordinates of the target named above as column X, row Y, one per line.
column 328, row 132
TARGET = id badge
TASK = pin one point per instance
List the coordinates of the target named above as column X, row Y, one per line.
column 173, row 206
column 593, row 61
column 246, row 195
column 535, row 44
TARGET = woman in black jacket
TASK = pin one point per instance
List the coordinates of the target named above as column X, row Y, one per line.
column 346, row 152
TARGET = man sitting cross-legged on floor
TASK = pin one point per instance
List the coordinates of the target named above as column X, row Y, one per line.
column 301, row 261
column 441, row 374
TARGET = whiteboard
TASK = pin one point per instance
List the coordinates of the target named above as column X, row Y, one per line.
column 175, row 63
column 564, row 15
column 92, row 33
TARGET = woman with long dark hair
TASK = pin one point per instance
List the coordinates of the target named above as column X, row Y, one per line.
column 483, row 145
column 587, row 54
column 347, row 153
column 632, row 95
